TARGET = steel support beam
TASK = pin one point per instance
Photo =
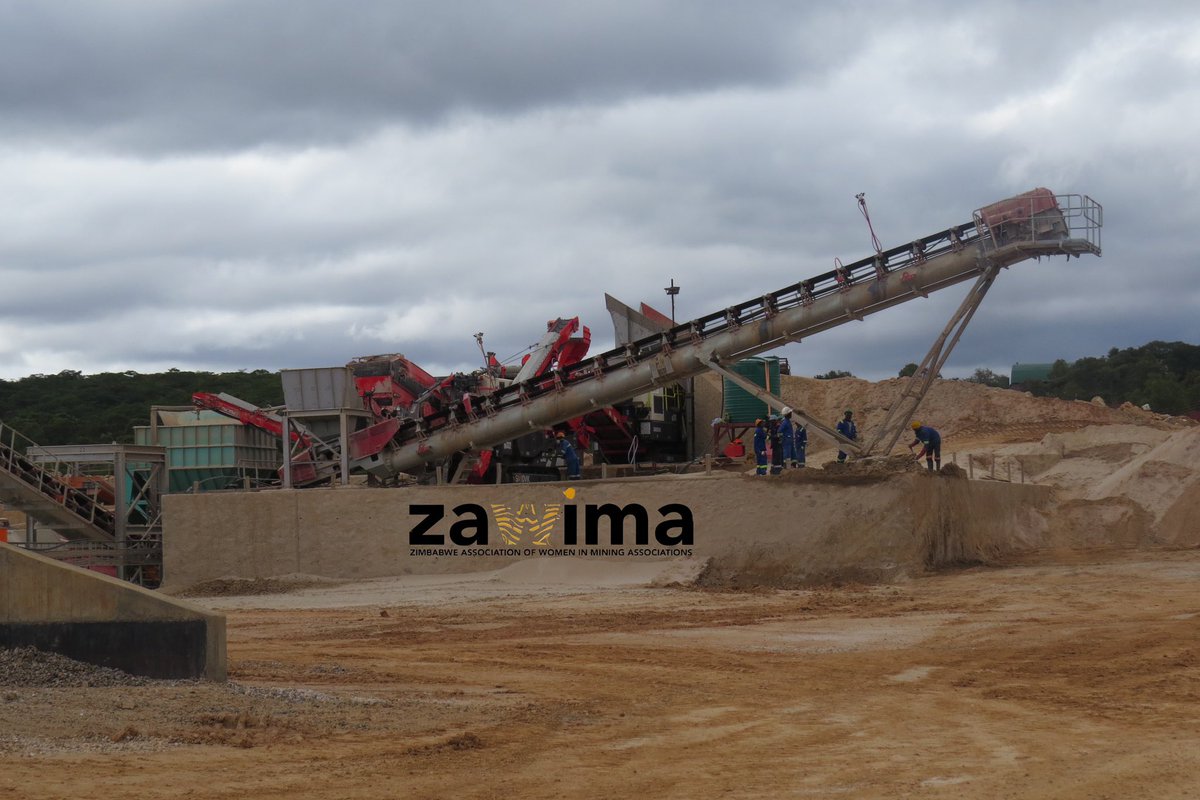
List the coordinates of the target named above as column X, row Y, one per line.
column 759, row 336
column 813, row 424
column 918, row 384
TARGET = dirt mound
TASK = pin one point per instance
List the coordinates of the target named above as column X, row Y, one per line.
column 237, row 587
column 863, row 471
column 953, row 471
column 1158, row 479
column 964, row 412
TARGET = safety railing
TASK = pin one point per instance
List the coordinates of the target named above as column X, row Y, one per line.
column 798, row 294
column 47, row 482
column 1040, row 218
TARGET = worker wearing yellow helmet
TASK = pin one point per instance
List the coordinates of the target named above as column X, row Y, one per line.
column 932, row 445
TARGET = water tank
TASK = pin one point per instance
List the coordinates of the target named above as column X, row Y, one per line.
column 218, row 455
column 740, row 405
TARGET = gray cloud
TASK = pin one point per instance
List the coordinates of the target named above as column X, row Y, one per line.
column 242, row 185
column 229, row 74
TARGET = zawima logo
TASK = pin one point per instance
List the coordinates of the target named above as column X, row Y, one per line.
column 533, row 524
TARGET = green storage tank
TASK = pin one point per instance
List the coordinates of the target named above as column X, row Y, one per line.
column 740, row 405
column 213, row 456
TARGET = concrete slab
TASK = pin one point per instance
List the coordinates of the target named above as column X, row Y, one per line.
column 100, row 620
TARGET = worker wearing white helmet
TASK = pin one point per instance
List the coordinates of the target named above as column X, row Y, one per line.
column 787, row 436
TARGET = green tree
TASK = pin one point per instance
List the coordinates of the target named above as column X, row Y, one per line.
column 73, row 408
column 989, row 378
column 1164, row 374
column 834, row 373
column 909, row 369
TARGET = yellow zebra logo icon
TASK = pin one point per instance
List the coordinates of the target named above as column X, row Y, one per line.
column 526, row 520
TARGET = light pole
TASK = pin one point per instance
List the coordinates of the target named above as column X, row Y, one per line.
column 671, row 291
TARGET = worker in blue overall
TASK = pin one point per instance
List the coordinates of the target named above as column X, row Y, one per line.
column 760, row 447
column 776, row 445
column 569, row 456
column 932, row 441
column 848, row 429
column 787, row 435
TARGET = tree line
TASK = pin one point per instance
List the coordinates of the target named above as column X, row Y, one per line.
column 73, row 408
column 1163, row 375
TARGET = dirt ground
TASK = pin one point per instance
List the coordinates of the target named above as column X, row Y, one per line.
column 1068, row 674
column 1040, row 679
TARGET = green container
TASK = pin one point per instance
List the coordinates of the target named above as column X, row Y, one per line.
column 217, row 456
column 740, row 405
column 1024, row 373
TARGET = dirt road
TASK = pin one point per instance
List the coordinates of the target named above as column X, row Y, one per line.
column 1037, row 680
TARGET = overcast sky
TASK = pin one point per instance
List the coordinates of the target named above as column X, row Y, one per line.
column 291, row 183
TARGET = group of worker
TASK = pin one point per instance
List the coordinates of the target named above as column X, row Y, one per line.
column 789, row 442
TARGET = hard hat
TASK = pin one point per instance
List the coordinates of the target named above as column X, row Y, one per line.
column 785, row 411
column 758, row 422
column 848, row 412
column 915, row 425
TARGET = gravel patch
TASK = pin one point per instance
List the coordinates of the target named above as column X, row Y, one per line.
column 28, row 666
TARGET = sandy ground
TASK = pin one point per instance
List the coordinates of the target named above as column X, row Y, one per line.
column 1029, row 680
column 1072, row 674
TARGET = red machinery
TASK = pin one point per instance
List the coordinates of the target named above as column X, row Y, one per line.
column 1032, row 216
column 395, row 389
column 312, row 460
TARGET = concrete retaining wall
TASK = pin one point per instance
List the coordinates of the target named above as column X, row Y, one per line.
column 782, row 531
column 100, row 620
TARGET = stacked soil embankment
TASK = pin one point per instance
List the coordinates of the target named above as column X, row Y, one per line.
column 878, row 527
column 966, row 413
column 802, row 528
column 1119, row 485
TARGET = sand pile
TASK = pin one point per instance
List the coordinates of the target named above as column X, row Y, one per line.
column 1165, row 481
column 1122, row 476
column 964, row 412
column 1076, row 461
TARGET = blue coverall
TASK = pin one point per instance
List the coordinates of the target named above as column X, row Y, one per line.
column 568, row 454
column 848, row 429
column 760, row 449
column 787, row 434
column 776, row 449
column 932, row 441
column 801, row 446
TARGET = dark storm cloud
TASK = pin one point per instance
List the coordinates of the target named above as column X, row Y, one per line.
column 171, row 75
column 223, row 185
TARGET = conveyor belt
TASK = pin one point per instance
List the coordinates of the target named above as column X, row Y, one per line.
column 757, row 325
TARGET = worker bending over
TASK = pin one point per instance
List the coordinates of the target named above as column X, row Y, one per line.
column 932, row 441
